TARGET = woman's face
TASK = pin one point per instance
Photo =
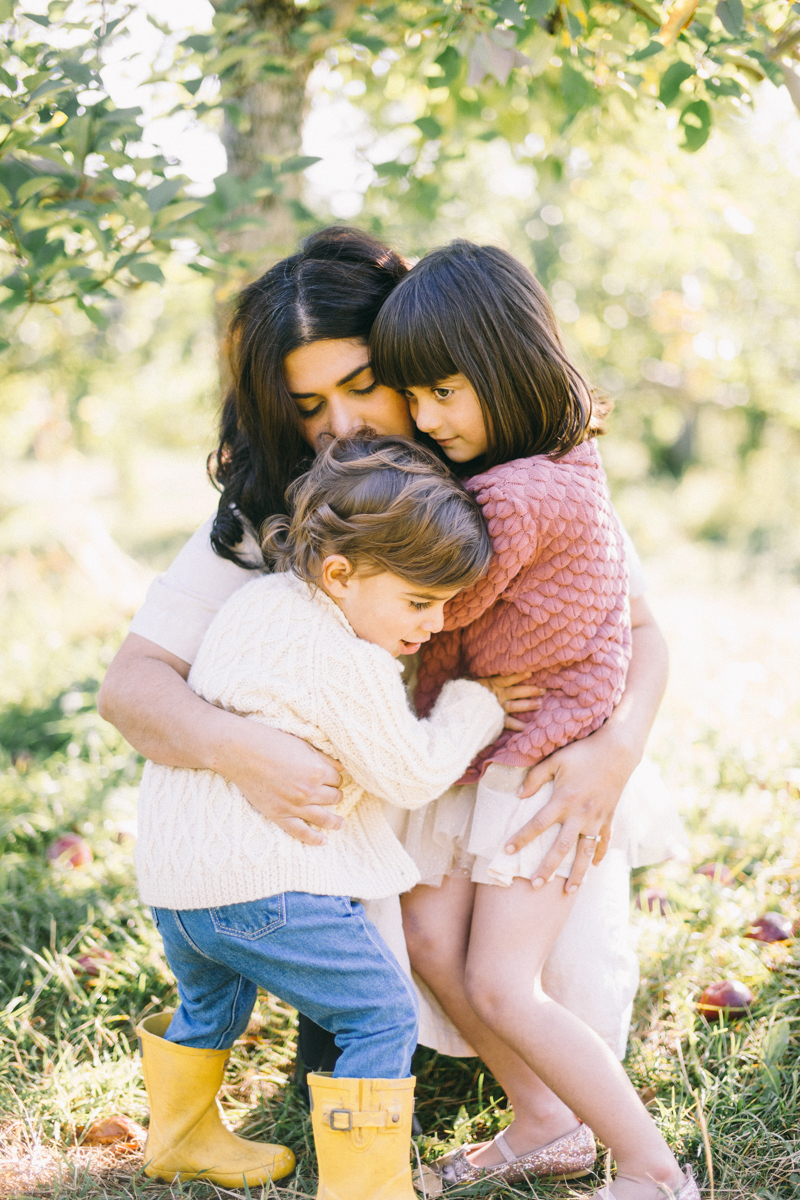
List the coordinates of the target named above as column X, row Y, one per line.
column 333, row 386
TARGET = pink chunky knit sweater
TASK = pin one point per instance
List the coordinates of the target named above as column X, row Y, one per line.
column 554, row 602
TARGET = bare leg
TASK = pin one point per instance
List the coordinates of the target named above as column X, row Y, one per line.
column 437, row 925
column 512, row 932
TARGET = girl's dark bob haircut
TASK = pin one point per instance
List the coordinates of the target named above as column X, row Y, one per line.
column 475, row 311
column 386, row 504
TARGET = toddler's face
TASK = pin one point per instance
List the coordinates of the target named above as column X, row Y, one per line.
column 451, row 413
column 385, row 609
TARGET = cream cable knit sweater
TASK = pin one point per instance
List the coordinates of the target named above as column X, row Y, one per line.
column 284, row 654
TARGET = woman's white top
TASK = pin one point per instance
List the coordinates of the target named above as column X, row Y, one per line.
column 282, row 653
column 182, row 603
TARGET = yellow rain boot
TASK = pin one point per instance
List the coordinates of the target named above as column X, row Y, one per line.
column 362, row 1132
column 186, row 1138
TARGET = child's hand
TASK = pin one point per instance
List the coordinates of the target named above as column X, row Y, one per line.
column 515, row 695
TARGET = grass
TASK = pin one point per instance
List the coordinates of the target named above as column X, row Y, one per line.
column 67, row 1043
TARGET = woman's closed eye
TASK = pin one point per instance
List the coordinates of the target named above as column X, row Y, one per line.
column 420, row 605
column 310, row 412
column 365, row 391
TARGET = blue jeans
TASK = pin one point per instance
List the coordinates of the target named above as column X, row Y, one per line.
column 318, row 953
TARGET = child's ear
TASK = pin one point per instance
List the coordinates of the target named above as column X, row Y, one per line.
column 336, row 574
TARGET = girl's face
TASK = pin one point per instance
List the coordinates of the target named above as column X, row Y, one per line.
column 451, row 413
column 333, row 386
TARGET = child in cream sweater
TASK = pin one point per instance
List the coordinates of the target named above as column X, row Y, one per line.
column 379, row 538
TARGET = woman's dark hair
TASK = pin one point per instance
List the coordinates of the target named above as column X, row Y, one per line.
column 386, row 504
column 333, row 288
column 475, row 311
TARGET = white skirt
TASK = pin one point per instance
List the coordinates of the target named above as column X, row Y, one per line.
column 592, row 969
column 466, row 830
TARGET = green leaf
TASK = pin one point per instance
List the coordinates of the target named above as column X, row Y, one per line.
column 429, row 127
column 509, row 10
column 6, row 10
column 450, row 62
column 7, row 79
column 731, row 14
column 373, row 44
column 696, row 122
column 672, row 79
column 193, row 85
column 200, row 42
column 391, row 168
column 176, row 212
column 94, row 314
column 771, row 69
column 776, row 1042
column 38, row 18
column 539, row 9
column 14, row 301
column 37, row 184
column 647, row 51
column 298, row 162
column 15, row 283
column 576, row 89
column 5, row 197
column 723, row 87
column 78, row 72
column 148, row 272
column 47, row 89
column 159, row 196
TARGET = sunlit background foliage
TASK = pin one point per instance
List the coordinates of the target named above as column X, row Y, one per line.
column 645, row 162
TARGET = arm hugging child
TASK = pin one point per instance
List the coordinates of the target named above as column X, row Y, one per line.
column 378, row 539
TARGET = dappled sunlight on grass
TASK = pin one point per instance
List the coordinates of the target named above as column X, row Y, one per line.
column 726, row 743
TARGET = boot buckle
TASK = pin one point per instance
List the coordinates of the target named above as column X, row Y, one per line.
column 341, row 1112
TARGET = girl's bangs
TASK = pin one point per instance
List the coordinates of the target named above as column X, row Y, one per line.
column 410, row 346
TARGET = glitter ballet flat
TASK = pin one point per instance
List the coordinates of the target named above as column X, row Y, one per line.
column 568, row 1157
column 689, row 1191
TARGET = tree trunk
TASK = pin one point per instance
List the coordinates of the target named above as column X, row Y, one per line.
column 270, row 123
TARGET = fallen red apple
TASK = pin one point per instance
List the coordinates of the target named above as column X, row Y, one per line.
column 70, row 850
column 728, row 996
column 91, row 962
column 114, row 1130
column 772, row 927
column 720, row 874
column 652, row 900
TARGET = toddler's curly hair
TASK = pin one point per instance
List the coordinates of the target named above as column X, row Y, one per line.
column 386, row 504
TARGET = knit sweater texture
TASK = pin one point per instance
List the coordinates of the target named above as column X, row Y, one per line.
column 282, row 653
column 554, row 602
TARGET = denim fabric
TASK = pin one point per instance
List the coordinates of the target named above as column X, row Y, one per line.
column 318, row 953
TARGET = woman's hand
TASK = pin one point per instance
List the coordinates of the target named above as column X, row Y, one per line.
column 515, row 695
column 283, row 778
column 590, row 774
column 589, row 777
column 145, row 695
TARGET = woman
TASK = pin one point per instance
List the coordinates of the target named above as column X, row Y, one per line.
column 300, row 367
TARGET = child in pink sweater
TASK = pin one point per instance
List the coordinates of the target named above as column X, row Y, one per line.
column 470, row 338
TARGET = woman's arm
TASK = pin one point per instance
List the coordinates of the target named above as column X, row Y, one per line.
column 590, row 774
column 145, row 695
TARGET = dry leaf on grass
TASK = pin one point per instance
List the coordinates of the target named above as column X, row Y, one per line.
column 118, row 1131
